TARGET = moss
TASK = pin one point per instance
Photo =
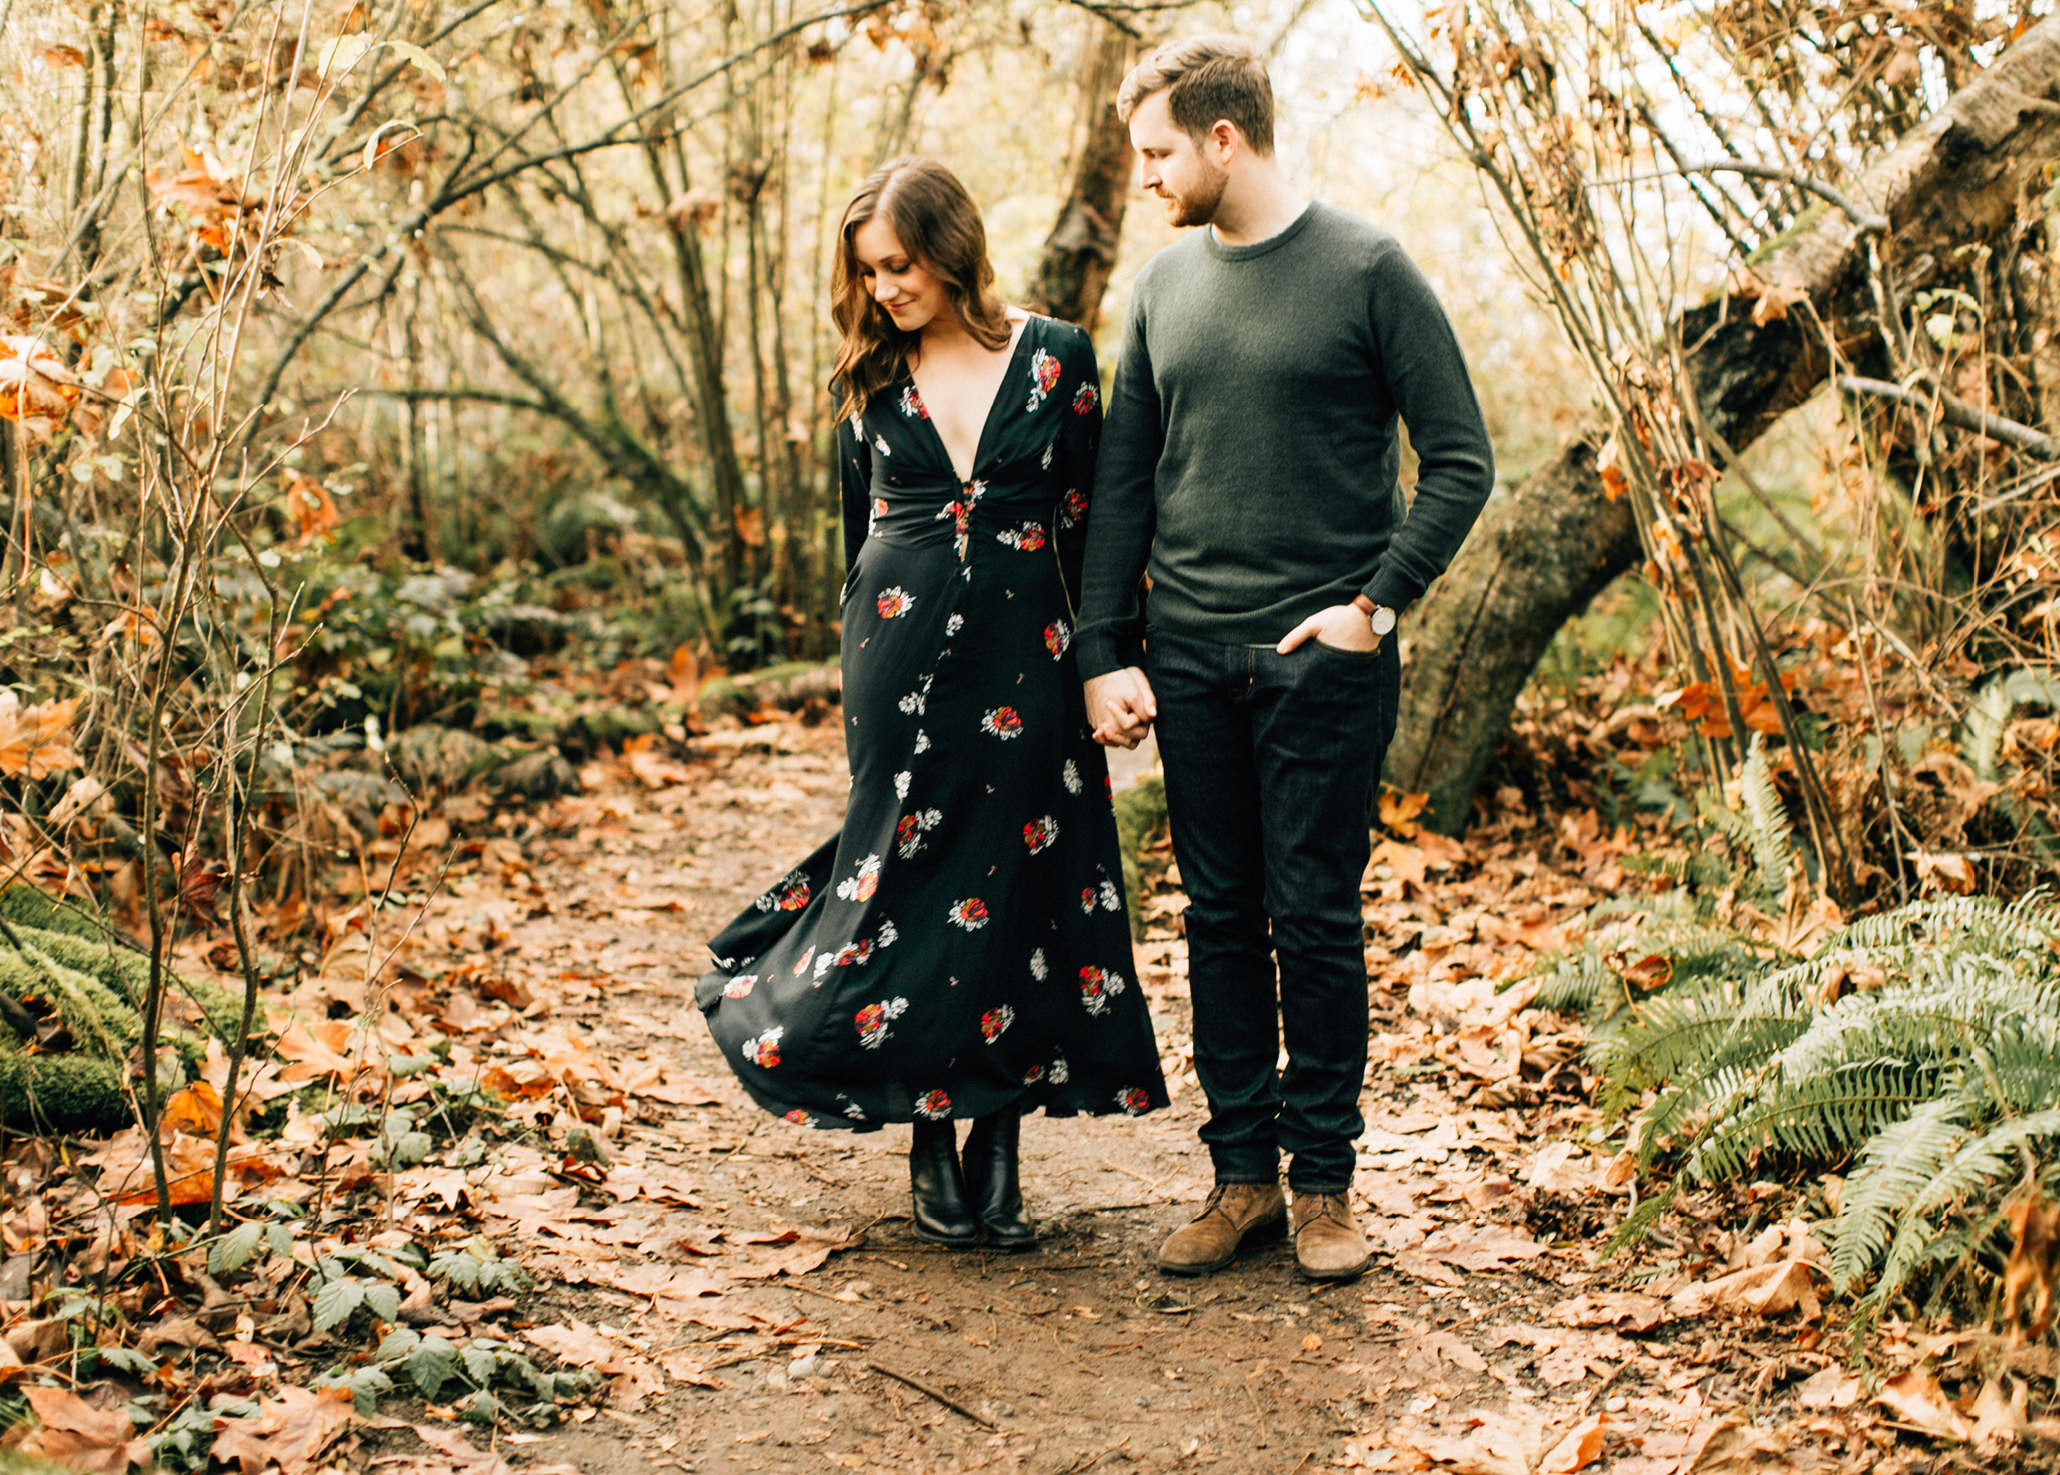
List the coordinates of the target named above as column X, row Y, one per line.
column 95, row 979
column 62, row 1092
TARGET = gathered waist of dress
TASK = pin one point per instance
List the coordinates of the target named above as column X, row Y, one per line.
column 964, row 522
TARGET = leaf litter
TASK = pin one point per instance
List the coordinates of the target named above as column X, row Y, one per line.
column 494, row 1204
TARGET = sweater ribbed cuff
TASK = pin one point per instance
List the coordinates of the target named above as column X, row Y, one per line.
column 1099, row 652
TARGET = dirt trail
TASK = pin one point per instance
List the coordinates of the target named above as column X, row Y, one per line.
column 751, row 1287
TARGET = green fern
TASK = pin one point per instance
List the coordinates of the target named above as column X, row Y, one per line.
column 1897, row 1166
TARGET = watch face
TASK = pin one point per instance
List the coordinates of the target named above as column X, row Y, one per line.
column 1383, row 620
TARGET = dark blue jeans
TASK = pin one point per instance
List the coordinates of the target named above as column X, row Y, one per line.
column 1271, row 764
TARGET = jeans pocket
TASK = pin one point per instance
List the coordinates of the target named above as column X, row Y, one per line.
column 1347, row 655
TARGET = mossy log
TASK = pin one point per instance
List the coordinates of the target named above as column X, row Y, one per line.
column 86, row 973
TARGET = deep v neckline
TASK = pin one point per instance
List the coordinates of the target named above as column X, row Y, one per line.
column 986, row 424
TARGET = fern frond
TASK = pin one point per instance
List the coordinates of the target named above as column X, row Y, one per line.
column 1823, row 1117
column 1772, row 833
column 2028, row 924
column 1985, row 1160
column 1895, row 1167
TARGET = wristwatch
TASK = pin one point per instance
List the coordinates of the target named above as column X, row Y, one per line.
column 1380, row 616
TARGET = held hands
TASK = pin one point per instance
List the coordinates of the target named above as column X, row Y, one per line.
column 1121, row 707
column 1342, row 627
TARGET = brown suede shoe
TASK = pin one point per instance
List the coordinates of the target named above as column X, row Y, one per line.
column 1233, row 1214
column 1328, row 1245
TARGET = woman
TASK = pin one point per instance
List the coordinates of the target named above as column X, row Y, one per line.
column 960, row 949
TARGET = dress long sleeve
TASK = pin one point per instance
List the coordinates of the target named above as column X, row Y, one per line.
column 855, row 478
column 1073, row 459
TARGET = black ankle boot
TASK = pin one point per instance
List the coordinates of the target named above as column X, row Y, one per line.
column 993, row 1185
column 937, row 1189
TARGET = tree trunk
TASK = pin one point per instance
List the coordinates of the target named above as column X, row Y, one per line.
column 1073, row 270
column 1541, row 554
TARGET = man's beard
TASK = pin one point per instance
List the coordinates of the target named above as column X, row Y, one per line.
column 1199, row 207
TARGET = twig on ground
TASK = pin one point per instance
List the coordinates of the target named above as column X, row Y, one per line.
column 928, row 1392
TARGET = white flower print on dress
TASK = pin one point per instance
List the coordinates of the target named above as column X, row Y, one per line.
column 763, row 1050
column 1025, row 539
column 917, row 702
column 861, row 886
column 994, row 1021
column 921, row 745
column 1070, row 776
column 853, row 1110
column 1060, row 1071
column 872, row 1021
column 1039, row 834
column 1112, row 899
column 791, row 895
column 901, row 784
column 1134, row 1100
column 1044, row 377
column 934, row 1105
column 1058, row 635
column 880, row 445
column 910, row 829
column 894, row 603
column 1038, row 970
column 970, row 914
column 740, row 988
column 1044, row 462
column 855, row 954
column 879, row 511
column 956, row 623
column 1002, row 722
column 912, row 404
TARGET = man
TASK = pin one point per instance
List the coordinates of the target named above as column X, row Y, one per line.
column 1250, row 464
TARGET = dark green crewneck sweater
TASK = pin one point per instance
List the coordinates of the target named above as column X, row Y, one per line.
column 1251, row 456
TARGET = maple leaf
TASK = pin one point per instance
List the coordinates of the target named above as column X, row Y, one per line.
column 80, row 1436
column 36, row 389
column 288, row 1433
column 36, row 741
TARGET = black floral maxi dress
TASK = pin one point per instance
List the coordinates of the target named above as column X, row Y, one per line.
column 961, row 944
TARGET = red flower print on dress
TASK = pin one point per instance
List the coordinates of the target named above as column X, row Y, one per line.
column 798, row 1117
column 894, row 603
column 1044, row 377
column 763, row 1051
column 1135, row 1101
column 740, row 988
column 1098, row 986
column 1073, row 509
column 861, row 886
column 994, row 1021
column 1026, row 539
column 1033, row 1075
column 1087, row 900
column 912, row 404
column 872, row 1021
column 970, row 914
column 1085, row 398
column 960, row 515
column 791, row 895
column 1002, row 722
column 1057, row 636
column 1040, row 833
column 801, row 963
column 933, row 1104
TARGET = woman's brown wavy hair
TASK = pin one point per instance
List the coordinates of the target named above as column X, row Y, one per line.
column 939, row 227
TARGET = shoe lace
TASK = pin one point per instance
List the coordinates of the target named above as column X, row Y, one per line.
column 1332, row 1206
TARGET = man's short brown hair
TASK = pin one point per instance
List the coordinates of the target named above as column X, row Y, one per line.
column 1206, row 78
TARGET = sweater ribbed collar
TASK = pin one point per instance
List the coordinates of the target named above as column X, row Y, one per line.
column 1258, row 248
